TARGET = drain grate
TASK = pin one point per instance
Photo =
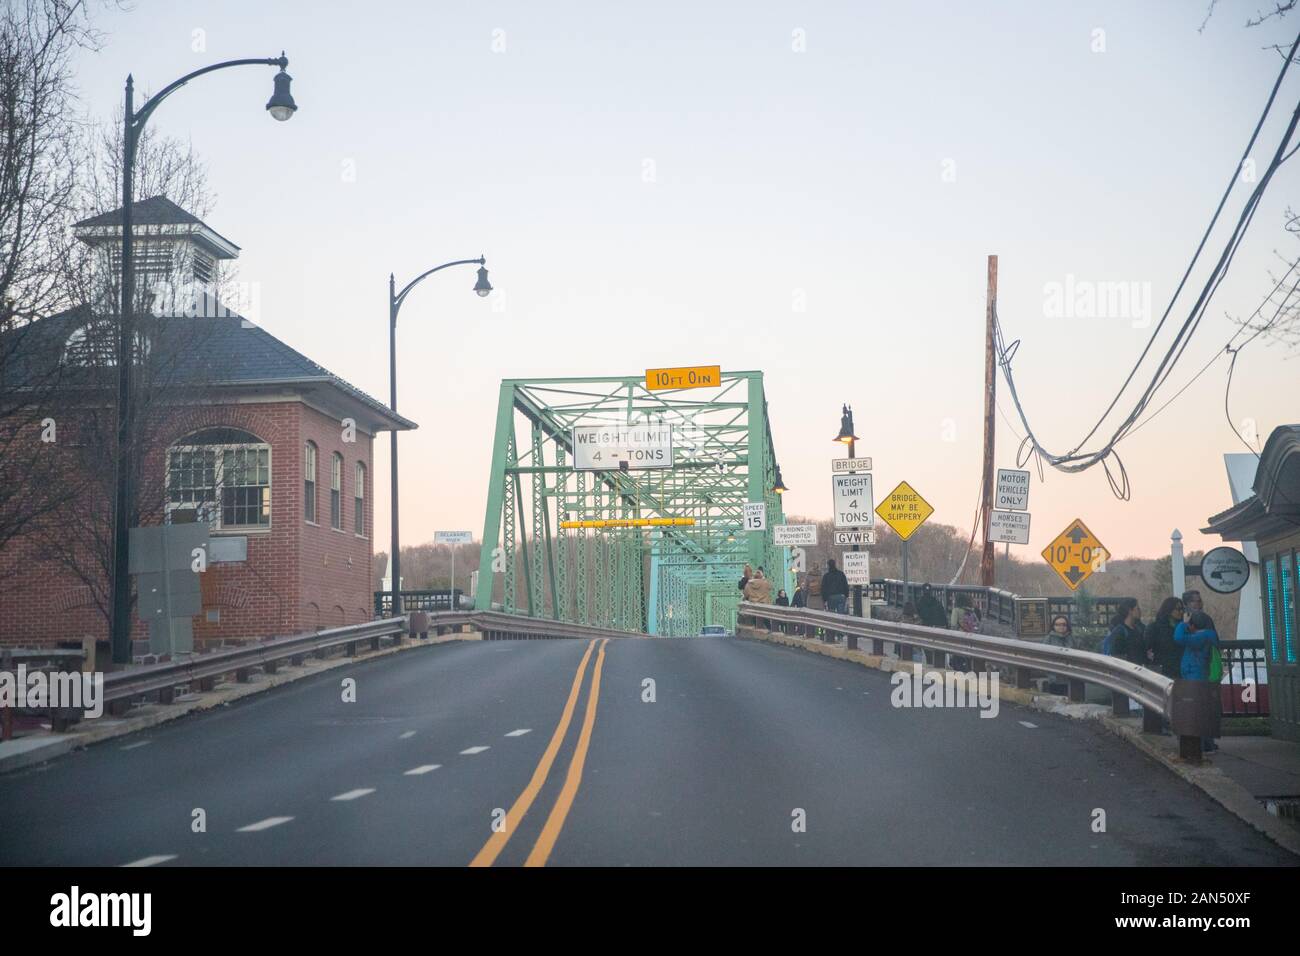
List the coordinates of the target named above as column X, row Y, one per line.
column 1288, row 808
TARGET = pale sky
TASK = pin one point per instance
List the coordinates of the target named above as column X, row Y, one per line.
column 678, row 184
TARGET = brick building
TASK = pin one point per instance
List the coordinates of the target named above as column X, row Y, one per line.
column 270, row 449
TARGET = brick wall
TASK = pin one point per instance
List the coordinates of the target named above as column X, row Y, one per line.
column 297, row 576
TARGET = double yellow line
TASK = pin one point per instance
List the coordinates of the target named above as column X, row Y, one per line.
column 564, row 802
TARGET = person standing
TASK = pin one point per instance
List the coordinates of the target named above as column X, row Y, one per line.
column 1196, row 634
column 1061, row 634
column 930, row 610
column 759, row 589
column 1124, row 639
column 800, row 599
column 835, row 588
column 1165, row 655
column 1192, row 602
column 781, row 599
column 745, row 576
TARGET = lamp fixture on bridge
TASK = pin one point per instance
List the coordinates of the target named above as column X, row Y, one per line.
column 846, row 427
column 779, row 487
column 482, row 286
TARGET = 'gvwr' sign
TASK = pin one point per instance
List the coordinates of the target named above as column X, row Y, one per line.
column 852, row 499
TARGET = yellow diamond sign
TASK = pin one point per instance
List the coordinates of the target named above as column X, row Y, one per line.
column 904, row 510
column 1075, row 554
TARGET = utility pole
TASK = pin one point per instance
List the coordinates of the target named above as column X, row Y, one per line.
column 990, row 392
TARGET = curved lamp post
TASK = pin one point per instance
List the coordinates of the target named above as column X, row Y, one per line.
column 281, row 107
column 395, row 299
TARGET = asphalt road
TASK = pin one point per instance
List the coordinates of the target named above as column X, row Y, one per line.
column 749, row 754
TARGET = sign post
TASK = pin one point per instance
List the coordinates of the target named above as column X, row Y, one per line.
column 904, row 510
column 452, row 538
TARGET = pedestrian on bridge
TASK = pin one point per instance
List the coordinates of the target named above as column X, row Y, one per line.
column 1166, row 654
column 835, row 588
column 758, row 590
column 930, row 610
column 782, row 599
column 1125, row 637
column 800, row 598
column 1199, row 640
column 744, row 578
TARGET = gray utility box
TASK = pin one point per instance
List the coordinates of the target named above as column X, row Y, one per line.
column 1194, row 710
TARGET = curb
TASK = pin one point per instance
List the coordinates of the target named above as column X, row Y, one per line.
column 30, row 751
column 1212, row 781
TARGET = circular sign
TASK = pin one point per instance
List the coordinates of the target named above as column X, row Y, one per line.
column 1225, row 570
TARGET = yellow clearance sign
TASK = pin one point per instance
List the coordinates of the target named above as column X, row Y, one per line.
column 1075, row 554
column 694, row 376
column 904, row 510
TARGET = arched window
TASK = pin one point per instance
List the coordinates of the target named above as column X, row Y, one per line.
column 309, row 482
column 359, row 499
column 221, row 476
column 336, row 492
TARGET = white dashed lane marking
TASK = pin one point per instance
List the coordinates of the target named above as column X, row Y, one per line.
column 473, row 750
column 408, row 734
column 354, row 794
column 423, row 768
column 1025, row 723
column 264, row 824
column 520, row 732
column 151, row 860
column 139, row 743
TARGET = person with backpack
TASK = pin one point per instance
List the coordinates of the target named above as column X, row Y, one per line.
column 1201, row 659
column 1163, row 651
column 835, row 588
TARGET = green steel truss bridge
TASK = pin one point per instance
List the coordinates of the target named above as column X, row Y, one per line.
column 654, row 550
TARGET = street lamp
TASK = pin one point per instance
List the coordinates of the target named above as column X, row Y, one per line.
column 848, row 438
column 281, row 106
column 779, row 487
column 395, row 299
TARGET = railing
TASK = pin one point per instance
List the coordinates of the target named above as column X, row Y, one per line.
column 426, row 600
column 993, row 604
column 1179, row 702
column 1244, row 666
column 158, row 682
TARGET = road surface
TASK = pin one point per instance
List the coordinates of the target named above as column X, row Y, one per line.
column 498, row 753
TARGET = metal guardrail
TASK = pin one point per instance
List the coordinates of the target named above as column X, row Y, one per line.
column 994, row 604
column 1190, row 707
column 1151, row 690
column 159, row 681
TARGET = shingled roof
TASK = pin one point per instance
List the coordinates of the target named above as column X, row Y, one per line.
column 208, row 353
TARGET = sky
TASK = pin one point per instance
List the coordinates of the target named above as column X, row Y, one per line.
column 811, row 190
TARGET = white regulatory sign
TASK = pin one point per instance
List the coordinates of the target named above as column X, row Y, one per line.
column 453, row 537
column 1009, row 526
column 845, row 539
column 852, row 501
column 857, row 566
column 755, row 515
column 845, row 466
column 615, row 447
column 1012, row 490
column 794, row 534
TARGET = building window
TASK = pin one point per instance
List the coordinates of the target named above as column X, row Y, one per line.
column 221, row 476
column 94, row 345
column 1288, row 605
column 336, row 493
column 309, row 482
column 359, row 499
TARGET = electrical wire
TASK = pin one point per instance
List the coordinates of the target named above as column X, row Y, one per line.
column 1074, row 461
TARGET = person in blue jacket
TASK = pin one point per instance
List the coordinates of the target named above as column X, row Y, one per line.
column 1196, row 634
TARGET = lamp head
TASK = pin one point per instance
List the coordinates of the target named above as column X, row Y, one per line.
column 281, row 105
column 482, row 287
column 846, row 427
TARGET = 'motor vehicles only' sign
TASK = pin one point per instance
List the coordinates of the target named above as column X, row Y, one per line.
column 851, row 500
column 627, row 447
column 1012, row 490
